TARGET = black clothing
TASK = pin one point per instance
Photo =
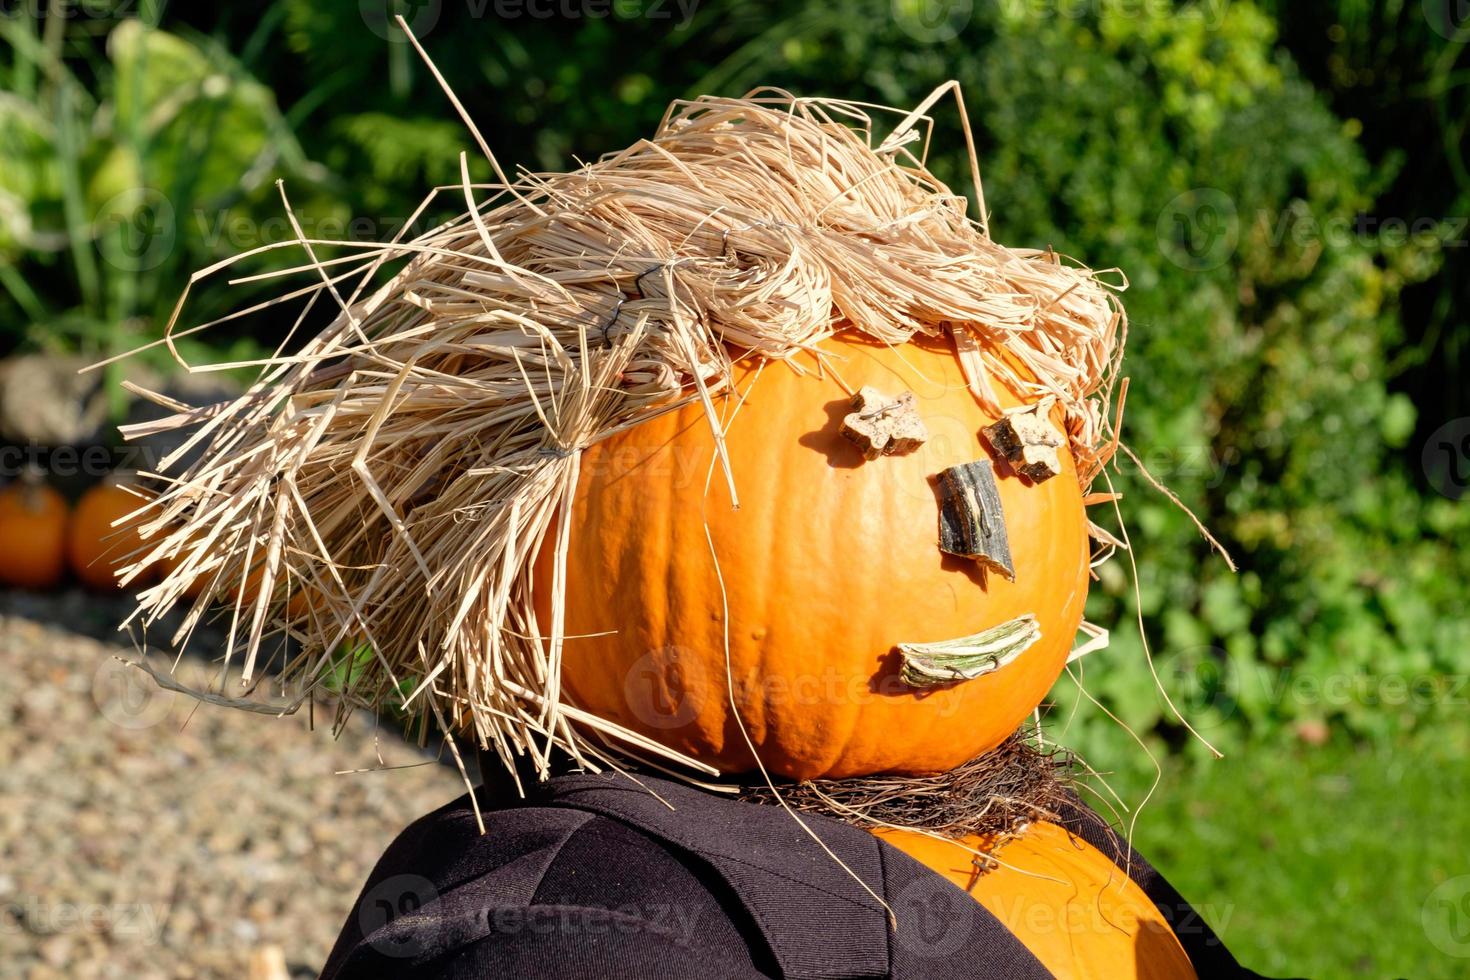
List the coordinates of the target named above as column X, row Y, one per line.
column 594, row 877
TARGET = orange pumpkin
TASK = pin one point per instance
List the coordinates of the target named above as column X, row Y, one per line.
column 33, row 521
column 1077, row 911
column 94, row 547
column 828, row 564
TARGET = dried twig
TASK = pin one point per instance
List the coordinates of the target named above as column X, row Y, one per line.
column 884, row 425
column 972, row 523
column 995, row 795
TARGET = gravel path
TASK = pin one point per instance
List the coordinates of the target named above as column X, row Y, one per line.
column 144, row 836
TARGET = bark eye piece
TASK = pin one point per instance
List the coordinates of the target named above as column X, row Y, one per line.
column 1028, row 440
column 884, row 425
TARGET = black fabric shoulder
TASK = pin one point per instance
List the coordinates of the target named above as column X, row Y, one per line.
column 814, row 912
column 544, row 893
column 599, row 876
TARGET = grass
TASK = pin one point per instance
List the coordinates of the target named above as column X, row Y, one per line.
column 1321, row 862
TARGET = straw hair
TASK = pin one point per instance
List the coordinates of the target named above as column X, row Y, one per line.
column 388, row 484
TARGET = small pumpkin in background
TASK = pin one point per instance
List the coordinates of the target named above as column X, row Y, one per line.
column 33, row 525
column 95, row 548
column 1078, row 912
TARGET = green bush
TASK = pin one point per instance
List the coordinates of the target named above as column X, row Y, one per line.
column 128, row 159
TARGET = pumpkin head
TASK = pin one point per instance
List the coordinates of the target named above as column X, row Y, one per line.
column 95, row 548
column 506, row 468
column 1076, row 910
column 32, row 535
column 829, row 563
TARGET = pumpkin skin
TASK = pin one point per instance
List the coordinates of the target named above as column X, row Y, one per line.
column 33, row 520
column 1077, row 911
column 96, row 549
column 828, row 564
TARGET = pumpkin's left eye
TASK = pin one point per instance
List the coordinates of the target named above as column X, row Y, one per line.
column 884, row 425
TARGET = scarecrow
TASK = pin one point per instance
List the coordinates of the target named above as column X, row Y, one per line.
column 728, row 498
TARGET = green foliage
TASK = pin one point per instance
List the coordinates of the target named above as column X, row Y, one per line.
column 1277, row 847
column 1398, row 73
column 1286, row 342
column 119, row 162
column 1283, row 437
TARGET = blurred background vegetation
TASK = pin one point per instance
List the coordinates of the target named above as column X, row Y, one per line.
column 1285, row 186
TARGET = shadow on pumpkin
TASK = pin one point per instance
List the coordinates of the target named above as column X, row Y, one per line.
column 829, row 441
column 1156, row 953
column 644, row 460
column 887, row 681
